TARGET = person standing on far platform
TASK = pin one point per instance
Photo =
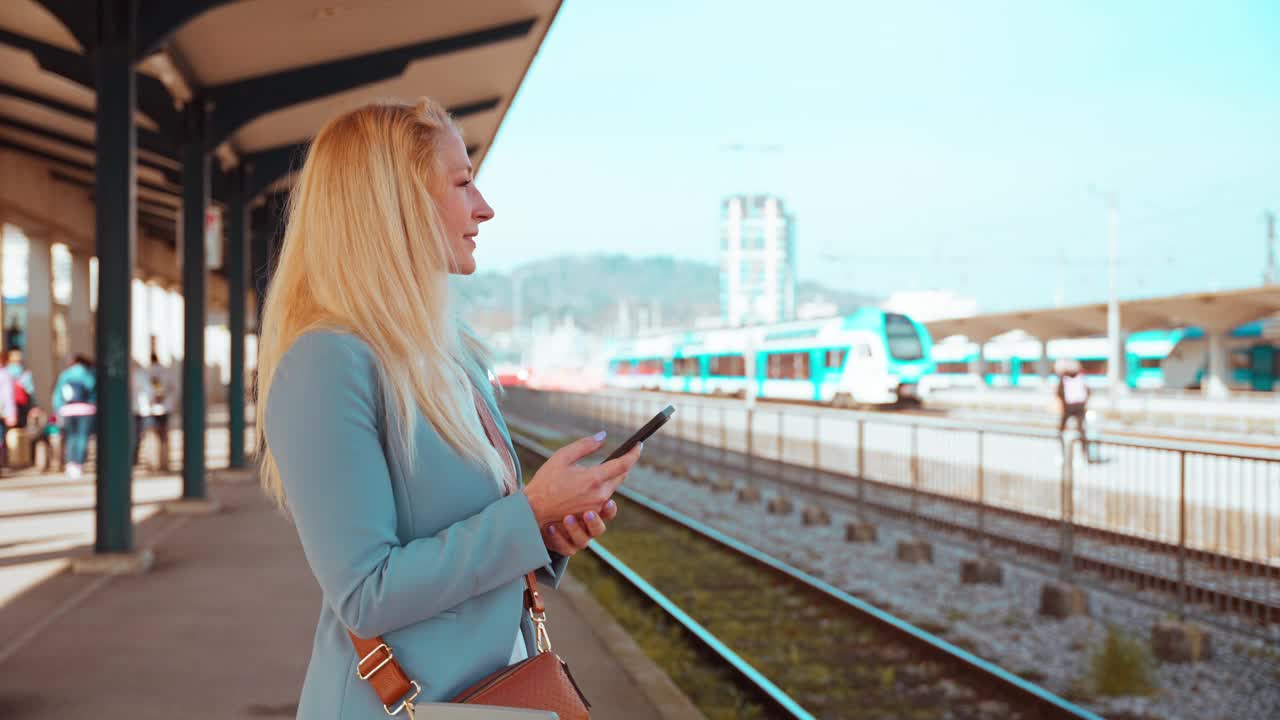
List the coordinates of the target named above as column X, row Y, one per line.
column 24, row 391
column 8, row 414
column 378, row 429
column 75, row 404
column 1073, row 397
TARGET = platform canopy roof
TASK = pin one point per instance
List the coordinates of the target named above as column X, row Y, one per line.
column 1214, row 311
column 271, row 72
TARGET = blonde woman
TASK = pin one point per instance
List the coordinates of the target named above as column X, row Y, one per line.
column 381, row 435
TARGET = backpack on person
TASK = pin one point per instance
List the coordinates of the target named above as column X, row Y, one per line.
column 1074, row 390
column 21, row 398
column 74, row 391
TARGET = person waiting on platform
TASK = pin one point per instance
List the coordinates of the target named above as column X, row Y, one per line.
column 24, row 385
column 8, row 415
column 153, row 399
column 1073, row 398
column 378, row 427
column 75, row 404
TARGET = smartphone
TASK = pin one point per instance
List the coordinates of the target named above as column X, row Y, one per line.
column 643, row 433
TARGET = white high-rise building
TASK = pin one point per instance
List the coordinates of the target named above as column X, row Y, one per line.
column 757, row 266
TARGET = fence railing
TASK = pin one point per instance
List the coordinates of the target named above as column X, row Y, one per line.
column 1201, row 523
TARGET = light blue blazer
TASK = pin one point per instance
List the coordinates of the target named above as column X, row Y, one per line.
column 431, row 557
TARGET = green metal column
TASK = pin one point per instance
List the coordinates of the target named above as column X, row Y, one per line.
column 115, row 227
column 195, row 199
column 237, row 272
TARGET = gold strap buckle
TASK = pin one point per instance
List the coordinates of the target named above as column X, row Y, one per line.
column 366, row 675
column 406, row 702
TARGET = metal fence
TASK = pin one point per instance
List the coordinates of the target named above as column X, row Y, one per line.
column 1189, row 527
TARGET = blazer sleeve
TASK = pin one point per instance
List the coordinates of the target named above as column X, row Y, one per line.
column 553, row 572
column 322, row 429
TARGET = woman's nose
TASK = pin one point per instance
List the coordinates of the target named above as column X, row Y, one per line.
column 483, row 211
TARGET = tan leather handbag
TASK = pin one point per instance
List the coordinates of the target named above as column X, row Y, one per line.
column 541, row 682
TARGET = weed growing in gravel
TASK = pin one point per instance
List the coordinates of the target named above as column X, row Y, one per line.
column 1122, row 665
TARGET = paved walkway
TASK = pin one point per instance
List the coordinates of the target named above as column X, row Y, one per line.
column 222, row 625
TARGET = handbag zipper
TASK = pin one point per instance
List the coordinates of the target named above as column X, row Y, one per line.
column 496, row 679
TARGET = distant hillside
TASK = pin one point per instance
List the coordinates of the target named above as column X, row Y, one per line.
column 591, row 288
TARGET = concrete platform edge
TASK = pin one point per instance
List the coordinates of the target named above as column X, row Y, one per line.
column 656, row 685
column 192, row 506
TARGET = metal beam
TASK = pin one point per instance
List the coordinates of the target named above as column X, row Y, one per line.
column 78, row 18
column 169, row 173
column 151, row 96
column 162, row 18
column 75, row 164
column 274, row 163
column 268, row 166
column 475, row 108
column 241, row 101
column 51, row 103
column 148, row 140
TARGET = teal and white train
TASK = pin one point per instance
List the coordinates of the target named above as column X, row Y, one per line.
column 871, row 357
column 1154, row 359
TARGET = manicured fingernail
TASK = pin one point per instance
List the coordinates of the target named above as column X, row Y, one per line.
column 642, row 445
column 611, row 505
column 591, row 517
column 599, row 436
column 551, row 530
column 569, row 520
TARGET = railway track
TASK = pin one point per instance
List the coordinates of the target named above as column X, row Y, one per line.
column 1113, row 562
column 797, row 646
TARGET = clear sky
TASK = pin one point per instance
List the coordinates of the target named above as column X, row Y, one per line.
column 919, row 144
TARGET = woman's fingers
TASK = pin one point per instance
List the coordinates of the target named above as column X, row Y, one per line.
column 594, row 524
column 616, row 468
column 576, row 532
column 578, row 449
column 556, row 540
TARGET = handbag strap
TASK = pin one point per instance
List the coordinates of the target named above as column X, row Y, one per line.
column 378, row 664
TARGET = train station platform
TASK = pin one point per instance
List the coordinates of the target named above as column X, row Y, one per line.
column 221, row 626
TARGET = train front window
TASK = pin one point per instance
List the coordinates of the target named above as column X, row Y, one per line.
column 904, row 340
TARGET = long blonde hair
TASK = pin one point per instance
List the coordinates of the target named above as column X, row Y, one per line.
column 364, row 252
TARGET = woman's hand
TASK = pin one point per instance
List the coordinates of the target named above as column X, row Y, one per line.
column 561, row 488
column 573, row 534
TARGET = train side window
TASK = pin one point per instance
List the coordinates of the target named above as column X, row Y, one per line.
column 835, row 359
column 998, row 367
column 789, row 366
column 1093, row 367
column 958, row 368
column 729, row 366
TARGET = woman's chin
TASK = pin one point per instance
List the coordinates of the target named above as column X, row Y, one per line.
column 464, row 266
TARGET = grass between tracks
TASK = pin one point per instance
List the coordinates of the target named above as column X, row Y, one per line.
column 831, row 662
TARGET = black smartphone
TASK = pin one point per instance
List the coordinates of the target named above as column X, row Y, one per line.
column 643, row 433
